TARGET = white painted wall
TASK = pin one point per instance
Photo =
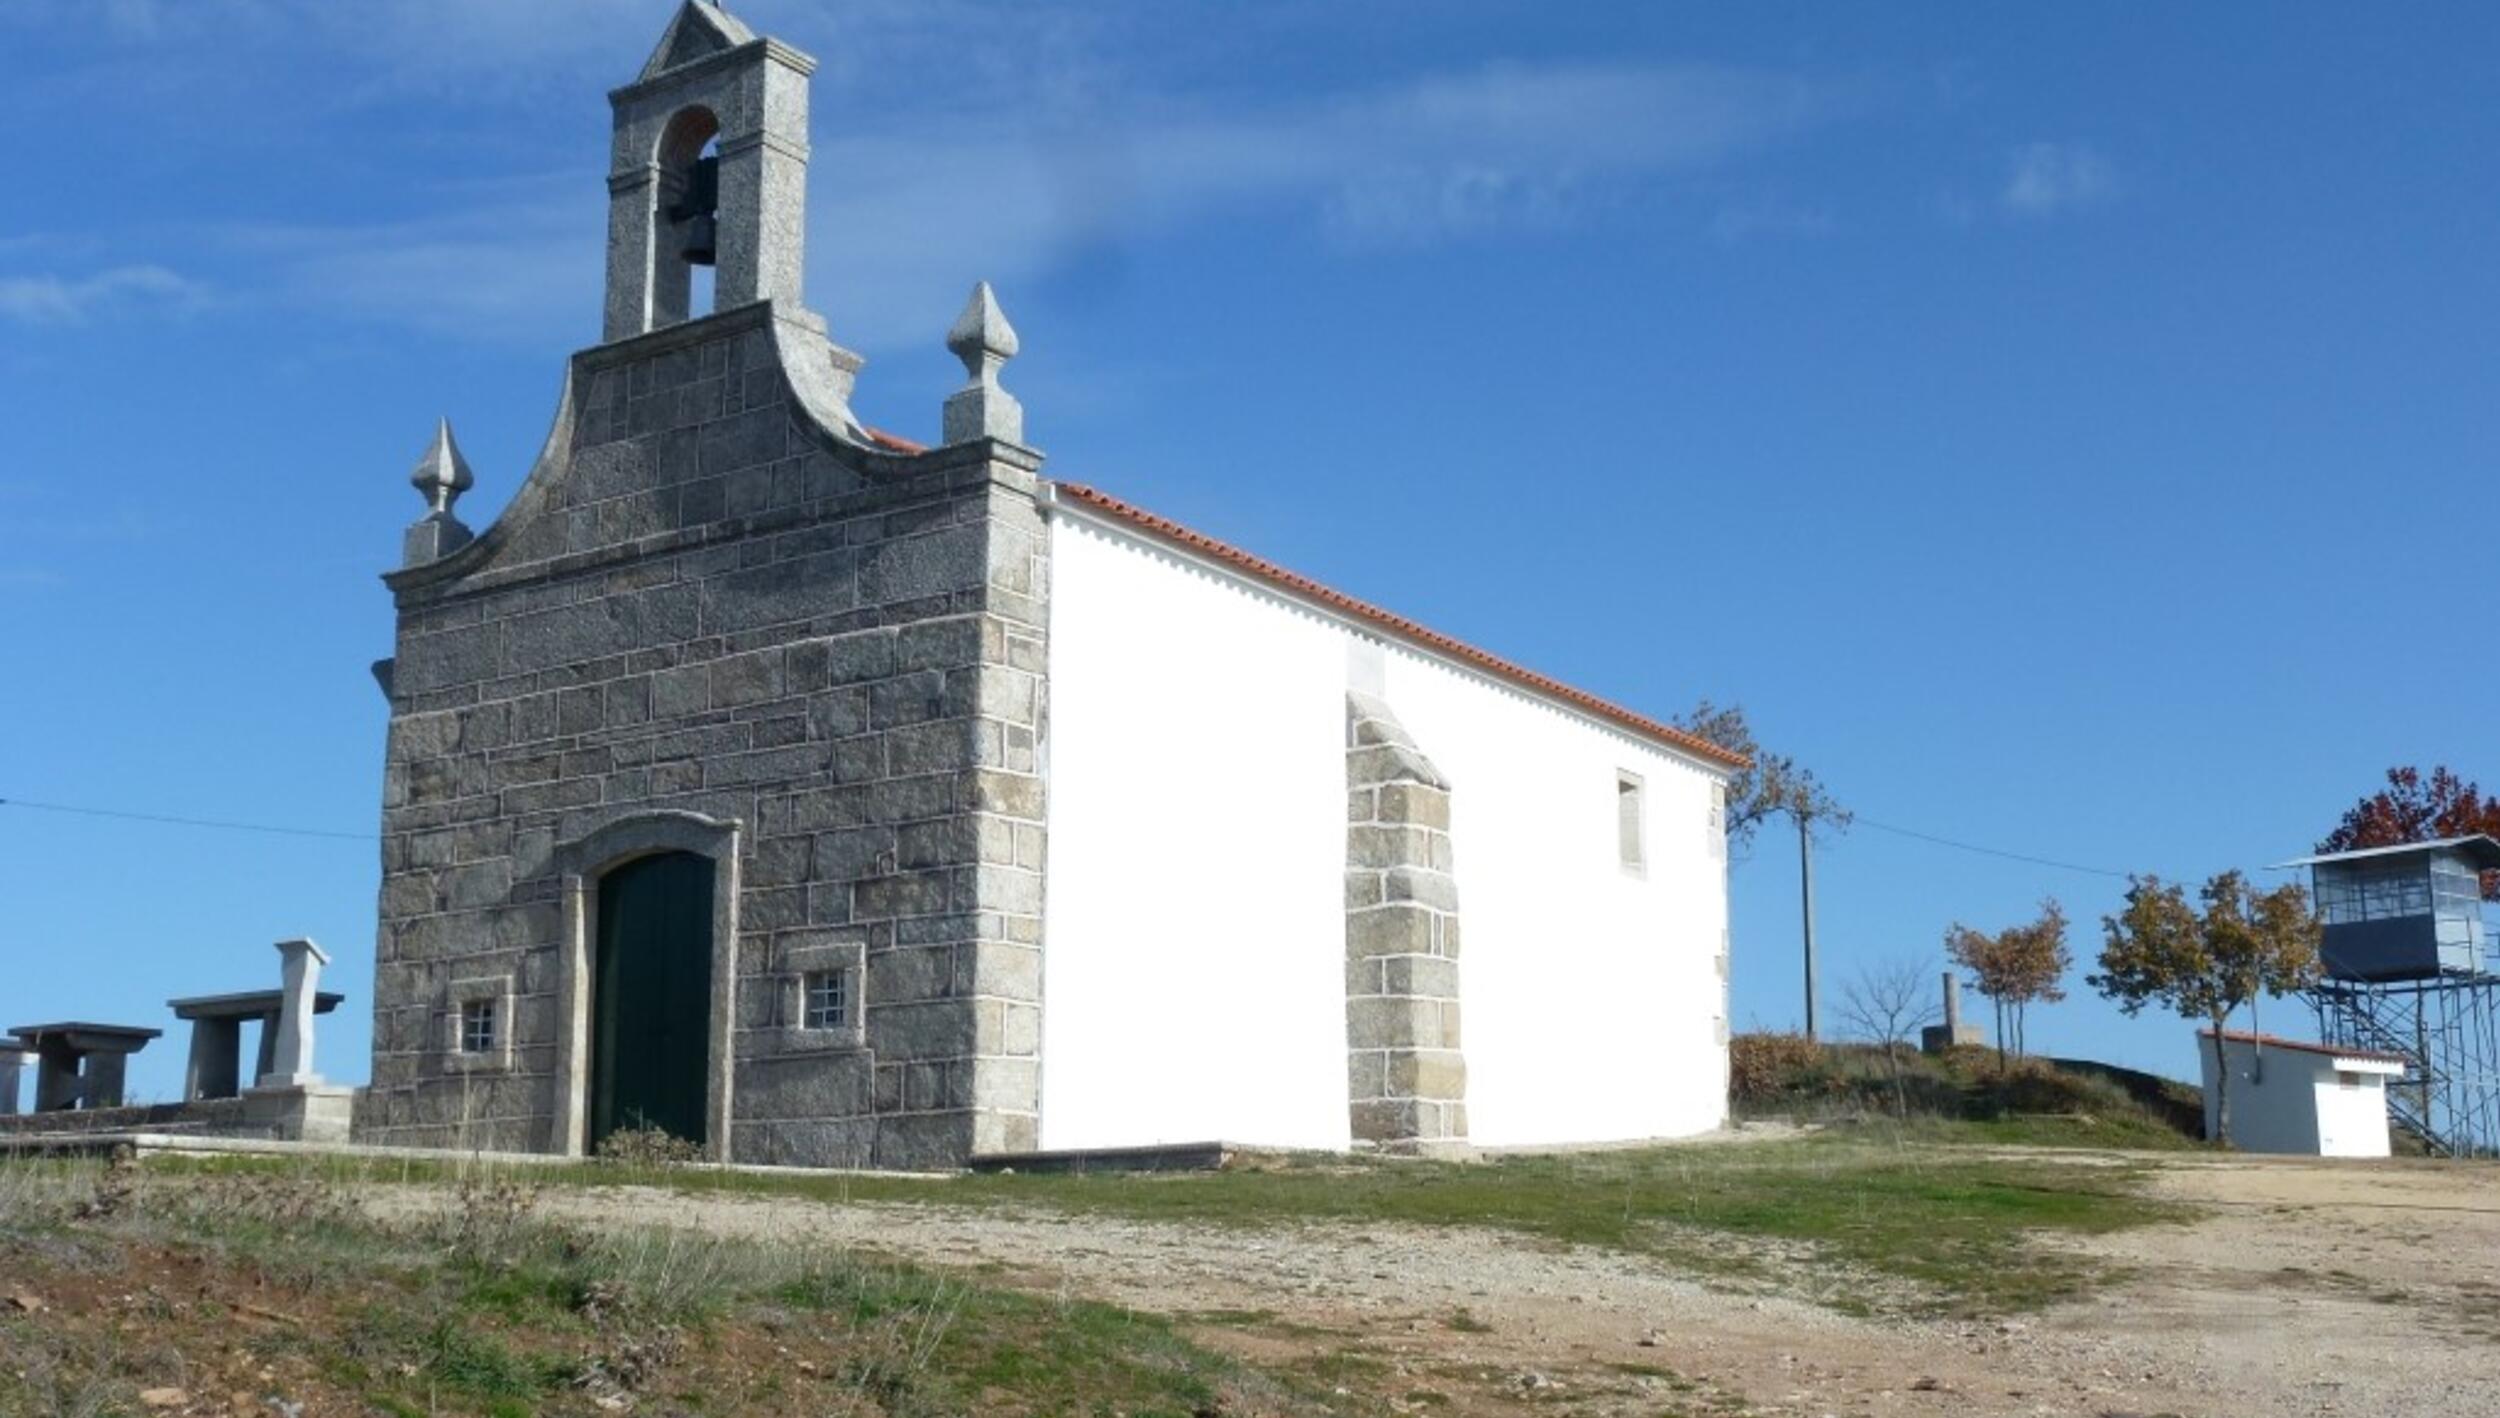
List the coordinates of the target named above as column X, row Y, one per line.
column 1193, row 959
column 2352, row 1116
column 2301, row 1101
column 1193, row 964
column 1592, row 996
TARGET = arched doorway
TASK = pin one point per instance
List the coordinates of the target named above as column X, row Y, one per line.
column 651, row 986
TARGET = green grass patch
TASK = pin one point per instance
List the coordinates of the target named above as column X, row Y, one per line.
column 1941, row 1228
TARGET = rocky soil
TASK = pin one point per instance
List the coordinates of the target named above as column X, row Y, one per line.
column 2307, row 1288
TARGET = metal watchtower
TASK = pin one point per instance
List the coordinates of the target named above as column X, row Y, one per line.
column 2407, row 968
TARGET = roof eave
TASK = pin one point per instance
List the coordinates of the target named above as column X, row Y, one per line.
column 1085, row 499
column 2484, row 849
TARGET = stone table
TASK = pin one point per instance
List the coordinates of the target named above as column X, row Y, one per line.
column 12, row 1067
column 215, row 1068
column 80, row 1064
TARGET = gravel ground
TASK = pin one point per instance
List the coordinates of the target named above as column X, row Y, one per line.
column 2310, row 1288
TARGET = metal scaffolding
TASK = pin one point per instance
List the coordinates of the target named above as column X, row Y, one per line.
column 2447, row 1030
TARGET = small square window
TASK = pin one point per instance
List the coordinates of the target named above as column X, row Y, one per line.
column 1628, row 822
column 477, row 1026
column 825, row 1002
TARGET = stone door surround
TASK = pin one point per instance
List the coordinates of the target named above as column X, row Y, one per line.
column 580, row 864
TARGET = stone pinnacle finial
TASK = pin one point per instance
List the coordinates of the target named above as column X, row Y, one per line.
column 441, row 476
column 984, row 341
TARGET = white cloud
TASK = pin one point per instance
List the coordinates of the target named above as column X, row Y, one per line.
column 2048, row 178
column 122, row 290
column 907, row 209
column 1057, row 134
column 509, row 259
column 506, row 50
column 901, row 225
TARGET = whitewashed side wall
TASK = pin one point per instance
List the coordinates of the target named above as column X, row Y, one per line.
column 1193, row 963
column 1193, row 957
column 1592, row 995
column 2280, row 1113
column 2299, row 1105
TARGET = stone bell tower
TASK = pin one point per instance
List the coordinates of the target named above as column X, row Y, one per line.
column 711, row 84
column 713, row 800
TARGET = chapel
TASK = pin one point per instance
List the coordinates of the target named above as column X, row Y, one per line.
column 826, row 799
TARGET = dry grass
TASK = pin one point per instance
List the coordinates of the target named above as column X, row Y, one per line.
column 245, row 1286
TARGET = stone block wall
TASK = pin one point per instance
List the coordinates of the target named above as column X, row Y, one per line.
column 704, row 601
column 1406, row 1074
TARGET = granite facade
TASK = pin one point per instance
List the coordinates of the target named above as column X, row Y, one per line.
column 706, row 601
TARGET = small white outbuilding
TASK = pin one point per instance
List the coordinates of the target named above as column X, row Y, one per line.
column 2310, row 1099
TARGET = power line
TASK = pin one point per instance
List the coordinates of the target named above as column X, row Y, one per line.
column 169, row 821
column 1864, row 821
column 225, row 825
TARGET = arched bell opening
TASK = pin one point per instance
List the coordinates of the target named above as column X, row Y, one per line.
column 685, row 234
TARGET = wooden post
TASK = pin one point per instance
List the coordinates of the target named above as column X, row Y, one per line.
column 1805, row 872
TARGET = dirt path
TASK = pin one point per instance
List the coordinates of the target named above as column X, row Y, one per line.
column 2310, row 1289
column 2327, row 1287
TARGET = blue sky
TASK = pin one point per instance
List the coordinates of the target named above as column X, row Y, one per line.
column 2069, row 431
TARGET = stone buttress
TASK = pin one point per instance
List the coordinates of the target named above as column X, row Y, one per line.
column 1406, row 1075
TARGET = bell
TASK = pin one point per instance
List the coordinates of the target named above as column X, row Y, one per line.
column 701, row 234
column 696, row 207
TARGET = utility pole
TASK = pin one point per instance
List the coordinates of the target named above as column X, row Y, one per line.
column 1805, row 873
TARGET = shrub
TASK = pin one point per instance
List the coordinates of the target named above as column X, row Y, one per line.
column 648, row 1147
column 1768, row 1067
column 1785, row 1076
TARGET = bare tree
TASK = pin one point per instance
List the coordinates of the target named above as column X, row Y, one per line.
column 1886, row 1003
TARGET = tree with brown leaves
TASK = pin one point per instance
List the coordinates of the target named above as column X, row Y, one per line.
column 1771, row 784
column 2414, row 809
column 1774, row 786
column 2205, row 965
column 2015, row 967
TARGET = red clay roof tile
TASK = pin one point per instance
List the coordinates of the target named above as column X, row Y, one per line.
column 896, row 442
column 2272, row 1041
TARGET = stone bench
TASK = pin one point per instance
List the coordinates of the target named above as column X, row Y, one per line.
column 215, row 1067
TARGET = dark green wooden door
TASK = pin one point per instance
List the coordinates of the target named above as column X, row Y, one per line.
column 651, row 1018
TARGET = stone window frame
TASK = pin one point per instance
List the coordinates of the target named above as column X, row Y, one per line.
column 495, row 991
column 580, row 864
column 799, row 961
